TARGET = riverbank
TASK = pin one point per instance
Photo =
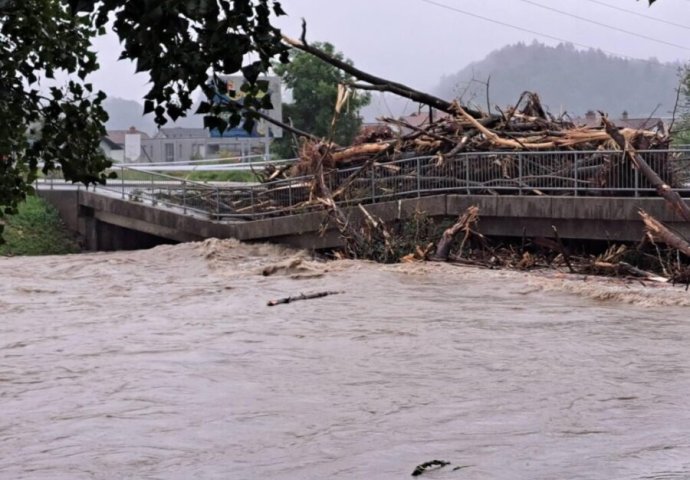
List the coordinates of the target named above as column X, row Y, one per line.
column 37, row 229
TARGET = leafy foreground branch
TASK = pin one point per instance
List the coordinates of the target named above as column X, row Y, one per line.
column 48, row 123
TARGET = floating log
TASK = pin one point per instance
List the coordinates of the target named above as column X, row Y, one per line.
column 627, row 268
column 426, row 466
column 302, row 296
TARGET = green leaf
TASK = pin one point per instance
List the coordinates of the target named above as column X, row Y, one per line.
column 278, row 9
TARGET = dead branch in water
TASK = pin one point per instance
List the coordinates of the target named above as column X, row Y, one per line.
column 426, row 466
column 464, row 224
column 301, row 296
column 562, row 249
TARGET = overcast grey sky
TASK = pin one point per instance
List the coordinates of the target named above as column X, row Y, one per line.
column 417, row 41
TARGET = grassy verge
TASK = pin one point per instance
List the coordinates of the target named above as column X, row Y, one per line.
column 36, row 230
column 198, row 176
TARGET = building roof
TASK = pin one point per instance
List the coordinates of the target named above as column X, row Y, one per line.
column 112, row 145
column 180, row 132
column 118, row 136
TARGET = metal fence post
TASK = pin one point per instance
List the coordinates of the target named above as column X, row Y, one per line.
column 575, row 179
column 373, row 186
column 251, row 199
column 636, row 173
column 467, row 173
column 122, row 180
column 419, row 177
column 184, row 196
column 520, row 182
column 290, row 193
column 218, row 202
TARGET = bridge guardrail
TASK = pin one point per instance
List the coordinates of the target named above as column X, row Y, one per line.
column 573, row 173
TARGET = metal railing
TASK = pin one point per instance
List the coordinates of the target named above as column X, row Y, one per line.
column 603, row 173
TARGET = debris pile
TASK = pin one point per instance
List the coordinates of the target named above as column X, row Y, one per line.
column 525, row 129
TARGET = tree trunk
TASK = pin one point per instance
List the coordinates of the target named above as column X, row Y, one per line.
column 381, row 83
column 661, row 187
column 464, row 223
column 660, row 233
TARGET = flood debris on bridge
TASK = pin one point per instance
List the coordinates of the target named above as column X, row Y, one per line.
column 520, row 150
column 524, row 151
column 525, row 128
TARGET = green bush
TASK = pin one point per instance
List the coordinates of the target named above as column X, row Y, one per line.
column 36, row 229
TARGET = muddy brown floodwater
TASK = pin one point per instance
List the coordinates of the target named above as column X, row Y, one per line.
column 167, row 364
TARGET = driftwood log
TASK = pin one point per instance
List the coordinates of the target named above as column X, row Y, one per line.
column 464, row 224
column 660, row 233
column 302, row 296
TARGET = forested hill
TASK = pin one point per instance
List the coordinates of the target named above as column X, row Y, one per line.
column 567, row 79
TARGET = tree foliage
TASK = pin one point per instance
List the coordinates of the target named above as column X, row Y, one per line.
column 314, row 88
column 57, row 124
column 178, row 42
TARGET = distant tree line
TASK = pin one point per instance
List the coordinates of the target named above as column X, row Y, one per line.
column 567, row 80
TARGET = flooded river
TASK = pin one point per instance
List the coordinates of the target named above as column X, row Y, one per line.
column 168, row 364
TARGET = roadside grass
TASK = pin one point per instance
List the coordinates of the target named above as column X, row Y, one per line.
column 36, row 230
column 196, row 176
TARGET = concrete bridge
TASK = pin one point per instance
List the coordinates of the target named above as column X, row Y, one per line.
column 106, row 222
column 585, row 195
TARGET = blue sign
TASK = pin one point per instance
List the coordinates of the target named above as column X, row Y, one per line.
column 261, row 128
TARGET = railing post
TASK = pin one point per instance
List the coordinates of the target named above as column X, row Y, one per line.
column 373, row 185
column 467, row 173
column 122, row 180
column 520, row 182
column 251, row 199
column 636, row 173
column 289, row 193
column 217, row 203
column 184, row 196
column 575, row 178
column 419, row 177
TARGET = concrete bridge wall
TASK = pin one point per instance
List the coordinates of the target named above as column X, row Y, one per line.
column 108, row 223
